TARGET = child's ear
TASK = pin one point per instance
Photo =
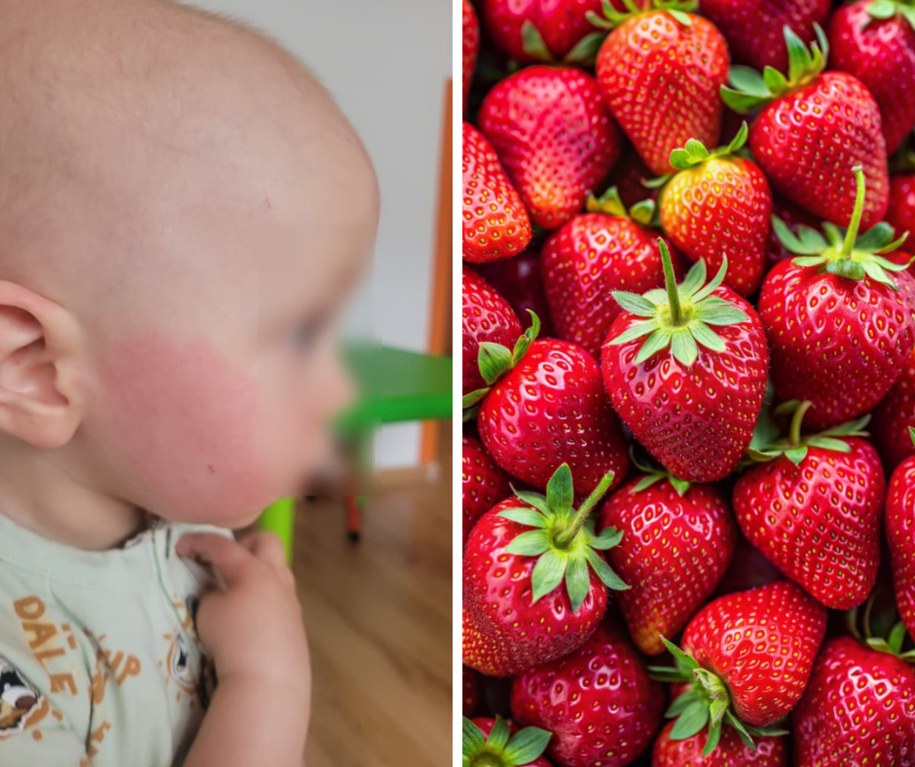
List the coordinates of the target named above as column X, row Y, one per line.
column 41, row 401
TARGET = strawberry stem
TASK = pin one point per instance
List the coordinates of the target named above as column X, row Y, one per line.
column 852, row 234
column 670, row 282
column 794, row 431
column 567, row 534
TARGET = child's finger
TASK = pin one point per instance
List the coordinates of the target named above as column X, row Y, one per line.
column 266, row 546
column 226, row 555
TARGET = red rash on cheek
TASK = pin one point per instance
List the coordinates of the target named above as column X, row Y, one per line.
column 180, row 424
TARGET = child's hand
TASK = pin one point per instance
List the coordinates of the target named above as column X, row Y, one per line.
column 253, row 628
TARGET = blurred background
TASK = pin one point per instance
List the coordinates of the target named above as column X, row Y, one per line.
column 374, row 568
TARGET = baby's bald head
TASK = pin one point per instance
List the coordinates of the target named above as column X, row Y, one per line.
column 124, row 118
column 182, row 207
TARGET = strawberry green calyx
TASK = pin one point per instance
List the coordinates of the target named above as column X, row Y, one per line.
column 643, row 213
column 679, row 9
column 695, row 154
column 750, row 90
column 678, row 316
column 563, row 539
column 880, row 10
column 877, row 625
column 795, row 446
column 495, row 360
column 501, row 748
column 705, row 704
column 843, row 252
column 582, row 54
column 653, row 475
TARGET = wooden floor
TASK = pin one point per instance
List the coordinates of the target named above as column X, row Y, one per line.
column 379, row 624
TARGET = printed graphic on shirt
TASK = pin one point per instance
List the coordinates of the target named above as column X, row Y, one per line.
column 21, row 704
column 185, row 663
column 49, row 642
column 178, row 663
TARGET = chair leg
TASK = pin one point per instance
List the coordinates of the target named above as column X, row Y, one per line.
column 279, row 518
column 360, row 467
column 353, row 518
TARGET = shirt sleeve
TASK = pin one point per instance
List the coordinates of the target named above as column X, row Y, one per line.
column 32, row 732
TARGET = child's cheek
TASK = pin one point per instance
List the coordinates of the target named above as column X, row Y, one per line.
column 182, row 424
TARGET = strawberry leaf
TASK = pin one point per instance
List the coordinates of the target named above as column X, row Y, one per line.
column 494, row 360
column 634, row 303
column 537, row 500
column 533, row 44
column 527, row 745
column 578, row 582
column 608, row 539
column 526, row 517
column 559, row 492
column 714, row 737
column 529, row 544
column 584, row 52
column 679, row 704
column 882, row 9
column 472, row 739
column 547, row 573
column 609, row 578
column 498, row 735
column 684, row 662
column 695, row 279
column 693, row 719
column 741, row 730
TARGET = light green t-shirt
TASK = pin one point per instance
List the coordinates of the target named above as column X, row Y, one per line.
column 100, row 663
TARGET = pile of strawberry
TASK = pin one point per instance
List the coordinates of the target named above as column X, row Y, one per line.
column 689, row 383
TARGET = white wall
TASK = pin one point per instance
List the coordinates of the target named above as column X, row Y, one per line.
column 386, row 62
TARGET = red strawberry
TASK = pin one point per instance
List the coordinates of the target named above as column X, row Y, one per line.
column 894, row 417
column 901, row 213
column 746, row 658
column 483, row 483
column 550, row 408
column 496, row 224
column 875, row 42
column 672, row 581
column 689, row 393
column 859, row 708
column 518, row 280
column 471, row 690
column 606, row 249
column 753, row 28
column 660, row 72
column 471, row 46
column 730, row 752
column 839, row 330
column 493, row 743
column 598, row 702
column 483, row 653
column 554, row 136
column 900, row 532
column 534, row 580
column 718, row 205
column 813, row 508
column 538, row 30
column 486, row 317
column 813, row 127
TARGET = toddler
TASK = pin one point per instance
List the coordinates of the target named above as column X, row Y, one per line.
column 183, row 210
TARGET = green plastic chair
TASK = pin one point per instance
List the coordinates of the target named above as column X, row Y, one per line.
column 396, row 386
